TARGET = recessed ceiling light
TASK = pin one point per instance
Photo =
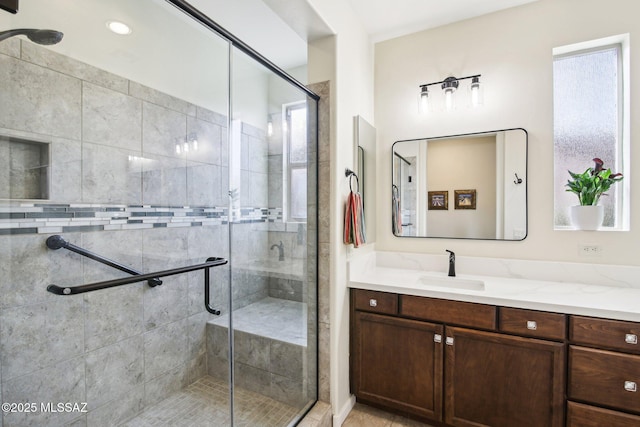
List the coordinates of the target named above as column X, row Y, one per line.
column 119, row 27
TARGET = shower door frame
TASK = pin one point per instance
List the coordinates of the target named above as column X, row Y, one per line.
column 235, row 42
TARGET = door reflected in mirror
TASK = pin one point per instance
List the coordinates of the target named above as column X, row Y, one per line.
column 471, row 186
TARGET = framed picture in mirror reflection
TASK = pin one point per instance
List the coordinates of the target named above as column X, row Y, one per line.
column 438, row 200
column 465, row 199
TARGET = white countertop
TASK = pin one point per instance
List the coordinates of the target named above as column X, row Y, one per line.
column 617, row 298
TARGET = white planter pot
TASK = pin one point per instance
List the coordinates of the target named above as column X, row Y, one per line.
column 587, row 217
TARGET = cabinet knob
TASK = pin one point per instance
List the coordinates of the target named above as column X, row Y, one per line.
column 532, row 325
column 631, row 339
column 373, row 302
column 630, row 386
column 449, row 341
column 437, row 338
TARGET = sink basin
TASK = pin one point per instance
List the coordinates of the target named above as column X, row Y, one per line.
column 452, row 283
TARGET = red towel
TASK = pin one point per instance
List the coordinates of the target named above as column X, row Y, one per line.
column 354, row 229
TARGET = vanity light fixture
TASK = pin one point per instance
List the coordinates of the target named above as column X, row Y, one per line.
column 119, row 28
column 449, row 87
column 184, row 145
column 269, row 126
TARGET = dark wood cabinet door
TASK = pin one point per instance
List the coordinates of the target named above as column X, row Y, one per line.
column 397, row 364
column 503, row 381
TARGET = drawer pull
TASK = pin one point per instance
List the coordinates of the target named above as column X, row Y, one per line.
column 373, row 302
column 630, row 386
column 631, row 339
column 449, row 341
column 532, row 325
column 437, row 338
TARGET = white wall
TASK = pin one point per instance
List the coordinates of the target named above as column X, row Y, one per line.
column 347, row 60
column 512, row 49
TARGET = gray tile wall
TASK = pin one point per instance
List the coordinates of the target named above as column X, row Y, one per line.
column 122, row 348
column 323, row 243
column 112, row 143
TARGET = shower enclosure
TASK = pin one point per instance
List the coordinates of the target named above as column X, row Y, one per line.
column 176, row 153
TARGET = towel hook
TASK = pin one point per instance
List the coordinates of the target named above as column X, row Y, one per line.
column 517, row 180
column 349, row 174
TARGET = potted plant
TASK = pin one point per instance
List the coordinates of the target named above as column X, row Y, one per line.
column 589, row 186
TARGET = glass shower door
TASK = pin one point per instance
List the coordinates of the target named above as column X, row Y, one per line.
column 272, row 179
column 116, row 143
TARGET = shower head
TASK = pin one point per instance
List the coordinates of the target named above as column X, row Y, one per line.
column 45, row 37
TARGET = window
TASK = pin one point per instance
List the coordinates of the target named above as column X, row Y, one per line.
column 296, row 161
column 590, row 101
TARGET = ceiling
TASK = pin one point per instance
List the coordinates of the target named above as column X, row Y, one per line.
column 164, row 40
column 387, row 19
column 278, row 29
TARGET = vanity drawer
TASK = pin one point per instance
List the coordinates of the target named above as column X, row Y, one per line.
column 375, row 302
column 604, row 378
column 460, row 313
column 579, row 415
column 532, row 323
column 613, row 334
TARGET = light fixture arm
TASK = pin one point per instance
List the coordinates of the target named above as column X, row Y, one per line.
column 449, row 81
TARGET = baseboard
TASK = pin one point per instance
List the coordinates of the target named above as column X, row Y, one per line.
column 341, row 416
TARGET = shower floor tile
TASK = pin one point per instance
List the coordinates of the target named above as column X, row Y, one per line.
column 205, row 403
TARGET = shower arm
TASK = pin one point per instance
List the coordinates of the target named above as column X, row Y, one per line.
column 56, row 242
column 10, row 33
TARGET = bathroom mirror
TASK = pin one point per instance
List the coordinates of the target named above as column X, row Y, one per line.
column 365, row 158
column 471, row 186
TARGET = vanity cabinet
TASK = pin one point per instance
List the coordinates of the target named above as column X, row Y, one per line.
column 493, row 379
column 604, row 373
column 399, row 365
column 446, row 361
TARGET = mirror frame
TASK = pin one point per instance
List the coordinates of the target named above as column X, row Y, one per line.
column 523, row 179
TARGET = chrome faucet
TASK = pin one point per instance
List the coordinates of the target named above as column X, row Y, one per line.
column 452, row 263
column 280, row 250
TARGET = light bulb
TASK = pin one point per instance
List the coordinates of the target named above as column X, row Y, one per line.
column 476, row 93
column 424, row 100
column 448, row 99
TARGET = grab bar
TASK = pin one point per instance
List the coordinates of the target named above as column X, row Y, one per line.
column 96, row 286
column 56, row 242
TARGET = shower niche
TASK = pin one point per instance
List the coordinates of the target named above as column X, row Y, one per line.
column 24, row 169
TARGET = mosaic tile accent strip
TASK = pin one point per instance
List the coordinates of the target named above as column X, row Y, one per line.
column 244, row 215
column 41, row 218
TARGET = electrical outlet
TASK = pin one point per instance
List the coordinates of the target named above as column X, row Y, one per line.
column 589, row 250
